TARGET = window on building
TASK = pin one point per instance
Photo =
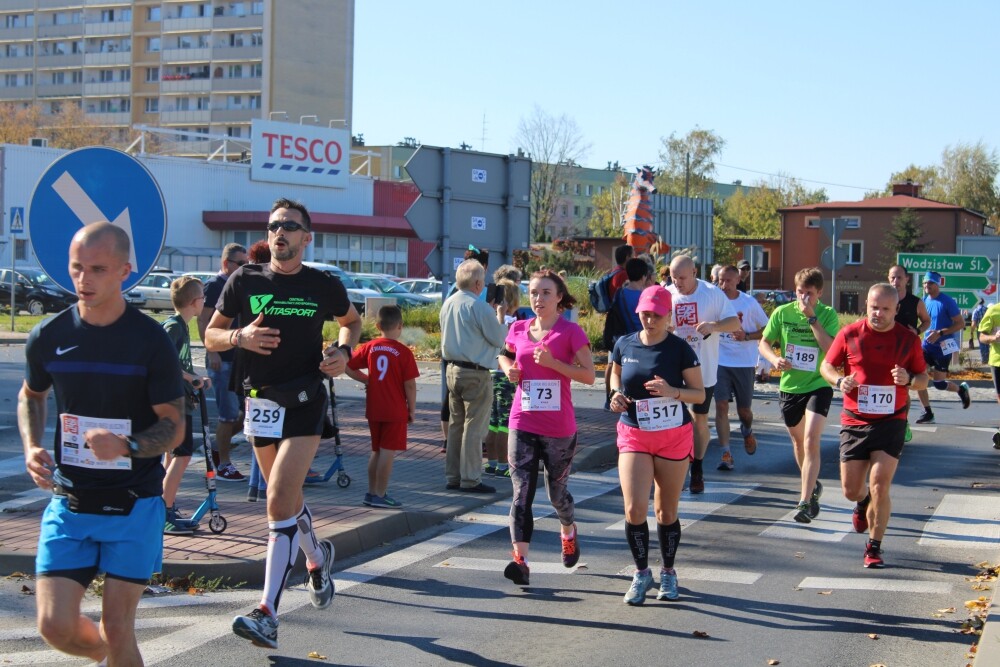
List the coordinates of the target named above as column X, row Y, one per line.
column 257, row 8
column 29, row 49
column 234, row 132
column 21, row 249
column 378, row 243
column 854, row 250
column 854, row 223
column 202, row 104
column 153, row 44
column 256, row 70
column 106, row 76
column 152, row 74
column 590, row 211
column 152, row 105
column 153, row 14
column 234, row 102
column 562, row 188
column 58, row 78
column 235, row 71
column 125, row 74
column 590, row 190
column 576, row 188
column 237, row 9
column 563, row 210
column 576, row 211
column 76, row 76
column 256, row 39
column 12, row 21
column 255, row 101
column 812, row 223
column 29, row 79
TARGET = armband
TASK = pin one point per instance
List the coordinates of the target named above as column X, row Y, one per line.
column 909, row 381
column 345, row 348
column 507, row 353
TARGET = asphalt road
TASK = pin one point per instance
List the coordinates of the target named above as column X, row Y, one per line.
column 760, row 586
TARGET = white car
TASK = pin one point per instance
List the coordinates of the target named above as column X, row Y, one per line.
column 155, row 288
column 355, row 292
column 427, row 287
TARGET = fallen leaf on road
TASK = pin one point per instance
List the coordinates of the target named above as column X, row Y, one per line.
column 947, row 610
column 772, row 661
column 796, row 588
column 977, row 485
column 878, row 664
column 195, row 591
column 872, row 635
column 699, row 634
column 26, row 590
column 800, row 554
column 824, row 593
column 981, row 587
column 938, row 615
column 928, row 507
column 315, row 655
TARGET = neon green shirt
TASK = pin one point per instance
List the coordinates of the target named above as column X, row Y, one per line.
column 789, row 327
column 989, row 325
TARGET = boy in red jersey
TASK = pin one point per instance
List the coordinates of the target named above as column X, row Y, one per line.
column 882, row 360
column 392, row 399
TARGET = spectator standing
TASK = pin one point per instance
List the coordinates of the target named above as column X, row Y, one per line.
column 389, row 377
column 940, row 343
column 472, row 333
column 541, row 356
column 804, row 330
column 977, row 316
column 187, row 296
column 655, row 373
column 744, row 268
column 285, row 305
column 503, row 393
column 737, row 360
column 700, row 310
column 220, row 366
column 619, row 276
column 881, row 360
column 106, row 514
column 622, row 319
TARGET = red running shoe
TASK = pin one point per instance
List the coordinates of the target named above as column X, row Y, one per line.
column 873, row 556
column 570, row 550
column 860, row 516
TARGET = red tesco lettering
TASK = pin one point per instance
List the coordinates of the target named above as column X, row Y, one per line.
column 301, row 149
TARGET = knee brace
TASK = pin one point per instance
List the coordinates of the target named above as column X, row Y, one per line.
column 941, row 384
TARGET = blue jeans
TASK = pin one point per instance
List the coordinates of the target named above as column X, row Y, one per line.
column 256, row 476
column 226, row 402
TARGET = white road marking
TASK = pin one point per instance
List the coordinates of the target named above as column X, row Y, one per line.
column 832, row 524
column 692, row 509
column 497, row 565
column 26, row 498
column 874, row 584
column 981, row 429
column 721, row 576
column 963, row 521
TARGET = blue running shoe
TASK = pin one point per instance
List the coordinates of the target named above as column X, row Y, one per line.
column 642, row 581
column 668, row 585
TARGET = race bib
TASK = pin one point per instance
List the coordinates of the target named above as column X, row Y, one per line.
column 876, row 399
column 263, row 418
column 659, row 414
column 540, row 396
column 692, row 338
column 948, row 346
column 803, row 357
column 73, row 445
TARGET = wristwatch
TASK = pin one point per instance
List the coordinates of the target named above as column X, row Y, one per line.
column 812, row 320
column 346, row 348
column 909, row 379
column 132, row 444
column 839, row 380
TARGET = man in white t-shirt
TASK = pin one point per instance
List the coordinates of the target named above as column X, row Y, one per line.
column 700, row 310
column 737, row 361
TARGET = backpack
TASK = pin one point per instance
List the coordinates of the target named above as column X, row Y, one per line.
column 599, row 291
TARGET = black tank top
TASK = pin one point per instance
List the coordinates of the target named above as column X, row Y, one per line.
column 906, row 311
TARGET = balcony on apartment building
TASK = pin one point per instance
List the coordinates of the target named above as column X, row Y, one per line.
column 234, row 22
column 46, row 30
column 18, row 34
column 113, row 118
column 106, row 3
column 21, row 64
column 180, row 56
column 173, row 115
column 61, row 60
column 234, row 115
column 185, row 83
column 116, row 57
column 237, row 53
column 107, row 89
column 193, row 24
column 17, row 5
column 47, row 90
column 8, row 93
column 97, row 28
column 249, row 84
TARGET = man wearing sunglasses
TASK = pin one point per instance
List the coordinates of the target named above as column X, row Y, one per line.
column 282, row 307
column 220, row 365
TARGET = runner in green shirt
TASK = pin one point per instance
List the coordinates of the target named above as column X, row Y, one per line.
column 803, row 330
column 989, row 334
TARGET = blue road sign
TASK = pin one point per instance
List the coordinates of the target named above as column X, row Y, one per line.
column 89, row 185
column 17, row 220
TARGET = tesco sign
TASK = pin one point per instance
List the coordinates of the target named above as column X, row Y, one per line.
column 299, row 154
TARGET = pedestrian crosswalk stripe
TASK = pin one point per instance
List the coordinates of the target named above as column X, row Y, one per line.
column 721, row 576
column 497, row 565
column 694, row 508
column 832, row 524
column 25, row 498
column 963, row 521
column 875, row 584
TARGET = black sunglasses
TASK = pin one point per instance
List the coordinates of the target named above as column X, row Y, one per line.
column 237, row 263
column 287, row 225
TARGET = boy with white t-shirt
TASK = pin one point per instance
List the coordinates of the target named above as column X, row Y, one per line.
column 699, row 311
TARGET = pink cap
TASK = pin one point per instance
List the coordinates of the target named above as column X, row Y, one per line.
column 655, row 299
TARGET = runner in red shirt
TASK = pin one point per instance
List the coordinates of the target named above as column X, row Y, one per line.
column 391, row 399
column 881, row 360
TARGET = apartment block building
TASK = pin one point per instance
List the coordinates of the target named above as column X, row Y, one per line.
column 198, row 66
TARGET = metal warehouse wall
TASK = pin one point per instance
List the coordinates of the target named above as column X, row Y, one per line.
column 189, row 187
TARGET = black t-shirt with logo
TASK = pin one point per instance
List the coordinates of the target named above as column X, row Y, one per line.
column 213, row 288
column 297, row 305
column 639, row 363
column 117, row 371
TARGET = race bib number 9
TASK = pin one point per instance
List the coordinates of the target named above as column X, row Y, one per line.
column 263, row 418
column 659, row 414
column 948, row 346
column 540, row 396
column 876, row 399
column 803, row 357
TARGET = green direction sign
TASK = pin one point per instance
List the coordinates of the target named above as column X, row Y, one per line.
column 944, row 263
column 965, row 300
column 952, row 283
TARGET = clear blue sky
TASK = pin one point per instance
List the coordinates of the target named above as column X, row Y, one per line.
column 843, row 93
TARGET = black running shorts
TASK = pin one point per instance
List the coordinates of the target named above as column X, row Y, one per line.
column 858, row 442
column 794, row 406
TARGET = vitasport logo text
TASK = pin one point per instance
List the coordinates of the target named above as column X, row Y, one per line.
column 294, row 307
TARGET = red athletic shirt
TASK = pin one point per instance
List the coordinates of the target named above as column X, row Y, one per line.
column 389, row 364
column 871, row 356
column 617, row 280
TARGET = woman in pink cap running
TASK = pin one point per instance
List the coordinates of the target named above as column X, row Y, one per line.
column 654, row 374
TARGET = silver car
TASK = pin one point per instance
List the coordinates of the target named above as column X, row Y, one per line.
column 155, row 288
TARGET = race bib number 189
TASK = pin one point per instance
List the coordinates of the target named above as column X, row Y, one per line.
column 263, row 418
column 803, row 357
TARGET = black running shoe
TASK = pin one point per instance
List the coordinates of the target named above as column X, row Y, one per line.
column 814, row 500
column 963, row 393
column 517, row 571
column 996, row 440
column 926, row 418
column 802, row 513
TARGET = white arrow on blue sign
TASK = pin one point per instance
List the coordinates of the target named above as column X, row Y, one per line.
column 89, row 185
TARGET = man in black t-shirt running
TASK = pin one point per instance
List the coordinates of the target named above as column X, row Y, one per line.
column 283, row 364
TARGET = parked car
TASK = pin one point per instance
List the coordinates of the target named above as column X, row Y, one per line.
column 134, row 297
column 203, row 276
column 34, row 291
column 155, row 288
column 355, row 292
column 427, row 287
column 777, row 297
column 386, row 287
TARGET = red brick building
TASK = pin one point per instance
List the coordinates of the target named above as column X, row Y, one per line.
column 803, row 241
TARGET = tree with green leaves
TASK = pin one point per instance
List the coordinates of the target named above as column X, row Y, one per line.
column 753, row 212
column 689, row 162
column 903, row 235
column 609, row 209
column 555, row 145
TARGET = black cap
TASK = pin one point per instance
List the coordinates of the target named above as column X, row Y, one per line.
column 743, row 264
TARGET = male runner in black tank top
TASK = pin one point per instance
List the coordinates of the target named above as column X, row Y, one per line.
column 912, row 312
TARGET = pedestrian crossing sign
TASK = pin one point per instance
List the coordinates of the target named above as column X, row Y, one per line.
column 17, row 220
